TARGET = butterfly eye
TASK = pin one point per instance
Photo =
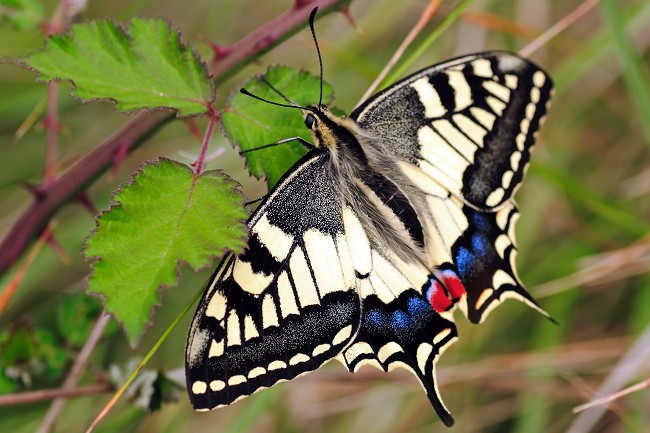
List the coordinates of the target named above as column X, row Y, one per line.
column 310, row 121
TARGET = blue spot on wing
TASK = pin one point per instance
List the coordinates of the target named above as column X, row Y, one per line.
column 476, row 248
column 418, row 308
column 464, row 260
column 479, row 245
column 402, row 322
column 480, row 221
column 375, row 319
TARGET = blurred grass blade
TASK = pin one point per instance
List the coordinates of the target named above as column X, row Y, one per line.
column 145, row 360
column 590, row 200
column 250, row 415
column 599, row 45
column 634, row 74
column 433, row 36
column 629, row 366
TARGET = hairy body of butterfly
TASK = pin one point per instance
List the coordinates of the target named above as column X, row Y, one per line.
column 398, row 214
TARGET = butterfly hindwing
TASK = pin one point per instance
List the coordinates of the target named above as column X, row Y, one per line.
column 277, row 311
column 468, row 124
column 399, row 328
column 476, row 254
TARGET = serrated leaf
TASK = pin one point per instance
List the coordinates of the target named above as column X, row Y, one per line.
column 250, row 123
column 147, row 68
column 22, row 14
column 167, row 214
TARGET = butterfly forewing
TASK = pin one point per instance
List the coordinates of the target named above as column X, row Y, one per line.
column 468, row 124
column 285, row 306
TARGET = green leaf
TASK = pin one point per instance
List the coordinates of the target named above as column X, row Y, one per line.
column 166, row 215
column 148, row 68
column 27, row 354
column 52, row 357
column 18, row 348
column 7, row 385
column 18, row 351
column 22, row 14
column 250, row 123
column 76, row 317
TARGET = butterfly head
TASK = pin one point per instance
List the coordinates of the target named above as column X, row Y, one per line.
column 310, row 120
column 328, row 130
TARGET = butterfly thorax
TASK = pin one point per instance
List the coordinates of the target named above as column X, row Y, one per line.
column 370, row 184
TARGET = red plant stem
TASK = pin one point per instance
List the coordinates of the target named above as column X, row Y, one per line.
column 209, row 132
column 7, row 293
column 66, row 187
column 50, row 394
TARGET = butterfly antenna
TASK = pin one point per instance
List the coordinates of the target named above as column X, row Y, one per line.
column 320, row 59
column 282, row 95
column 279, row 104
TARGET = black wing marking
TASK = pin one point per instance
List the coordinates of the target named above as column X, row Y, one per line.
column 285, row 306
column 468, row 124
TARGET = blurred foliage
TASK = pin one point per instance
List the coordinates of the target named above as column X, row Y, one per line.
column 22, row 14
column 583, row 232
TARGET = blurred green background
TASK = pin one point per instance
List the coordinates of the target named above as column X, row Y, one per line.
column 583, row 232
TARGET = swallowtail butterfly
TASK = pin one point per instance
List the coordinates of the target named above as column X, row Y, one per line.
column 398, row 214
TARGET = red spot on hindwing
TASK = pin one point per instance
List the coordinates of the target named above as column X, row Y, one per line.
column 453, row 284
column 438, row 297
column 445, row 290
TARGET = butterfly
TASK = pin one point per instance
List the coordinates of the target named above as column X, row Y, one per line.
column 397, row 215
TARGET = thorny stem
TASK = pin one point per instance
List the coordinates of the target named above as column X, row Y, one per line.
column 66, row 187
column 57, row 24
column 269, row 35
column 52, row 131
